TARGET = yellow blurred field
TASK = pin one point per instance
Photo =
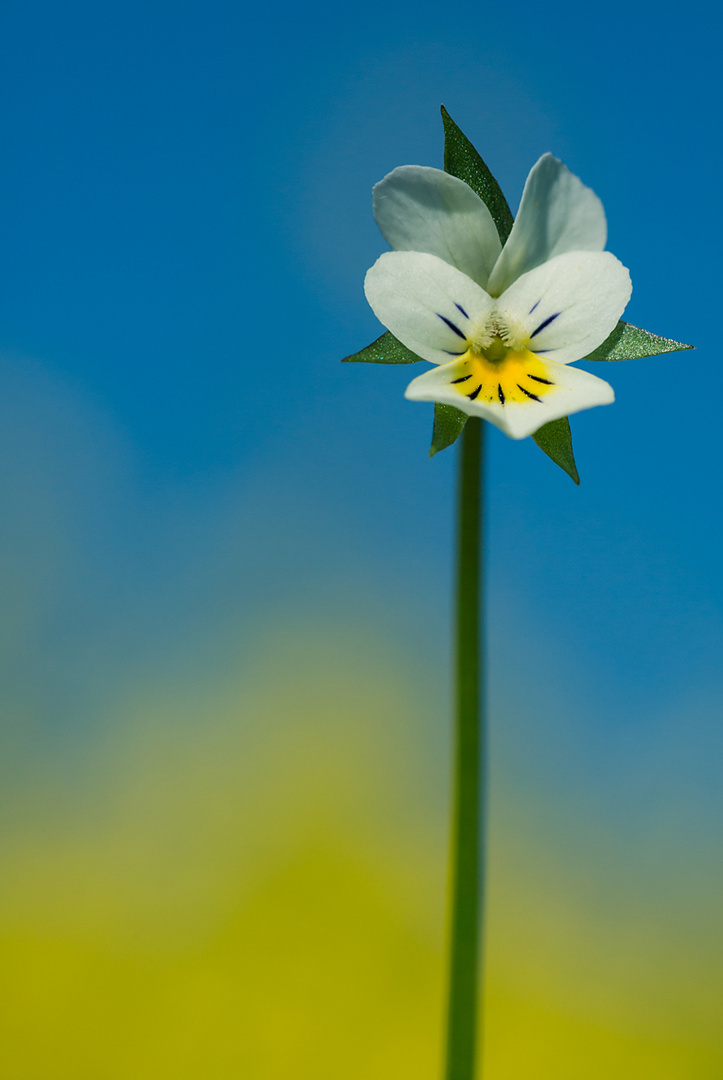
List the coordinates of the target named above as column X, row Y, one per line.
column 249, row 883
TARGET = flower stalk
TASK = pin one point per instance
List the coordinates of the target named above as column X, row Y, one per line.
column 501, row 308
column 467, row 847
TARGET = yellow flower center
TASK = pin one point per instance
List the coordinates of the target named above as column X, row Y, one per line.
column 497, row 372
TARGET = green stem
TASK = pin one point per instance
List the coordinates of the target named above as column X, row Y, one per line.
column 466, row 839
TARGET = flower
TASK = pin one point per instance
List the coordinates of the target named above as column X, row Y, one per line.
column 500, row 324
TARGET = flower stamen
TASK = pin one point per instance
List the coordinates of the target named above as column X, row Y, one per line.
column 498, row 325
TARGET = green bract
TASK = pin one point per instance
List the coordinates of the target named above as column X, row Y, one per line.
column 385, row 350
column 462, row 160
column 556, row 441
column 448, row 426
column 501, row 309
column 628, row 342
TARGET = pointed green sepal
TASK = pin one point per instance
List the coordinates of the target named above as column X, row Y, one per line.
column 555, row 440
column 385, row 350
column 462, row 160
column 629, row 342
column 448, row 426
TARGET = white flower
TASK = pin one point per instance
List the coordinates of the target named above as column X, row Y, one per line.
column 500, row 324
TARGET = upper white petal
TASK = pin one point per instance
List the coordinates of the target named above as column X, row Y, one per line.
column 418, row 296
column 557, row 214
column 569, row 305
column 574, row 390
column 423, row 209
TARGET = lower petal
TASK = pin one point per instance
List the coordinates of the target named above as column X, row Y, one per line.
column 518, row 397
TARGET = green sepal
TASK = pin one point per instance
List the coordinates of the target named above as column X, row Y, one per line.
column 555, row 439
column 462, row 160
column 385, row 350
column 448, row 426
column 628, row 342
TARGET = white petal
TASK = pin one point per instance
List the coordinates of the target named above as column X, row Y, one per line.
column 557, row 214
column 423, row 209
column 422, row 299
column 569, row 305
column 572, row 390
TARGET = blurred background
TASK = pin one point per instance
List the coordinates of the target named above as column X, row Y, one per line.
column 226, row 558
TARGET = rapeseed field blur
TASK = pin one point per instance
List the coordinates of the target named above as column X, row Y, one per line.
column 248, row 880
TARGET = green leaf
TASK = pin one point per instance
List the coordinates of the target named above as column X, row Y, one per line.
column 385, row 350
column 556, row 441
column 629, row 342
column 448, row 425
column 462, row 160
